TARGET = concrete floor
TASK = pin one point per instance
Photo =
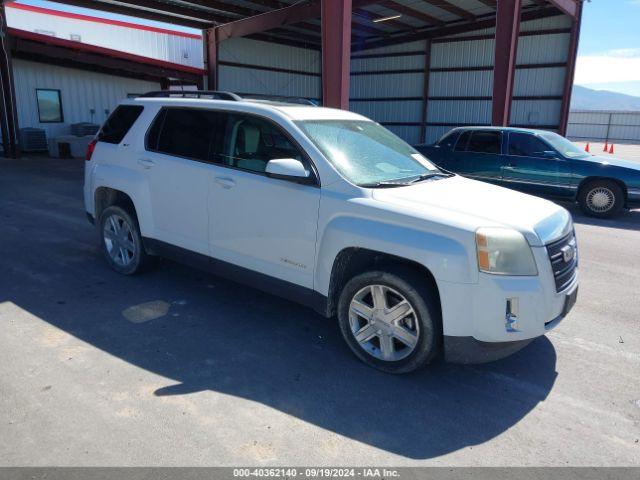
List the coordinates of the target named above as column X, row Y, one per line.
column 176, row 367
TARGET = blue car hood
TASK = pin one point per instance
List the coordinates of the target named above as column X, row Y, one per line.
column 614, row 161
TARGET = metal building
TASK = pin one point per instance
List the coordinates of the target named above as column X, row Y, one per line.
column 420, row 67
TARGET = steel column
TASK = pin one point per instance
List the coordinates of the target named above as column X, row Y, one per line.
column 336, row 52
column 211, row 46
column 425, row 91
column 8, row 112
column 570, row 71
column 507, row 31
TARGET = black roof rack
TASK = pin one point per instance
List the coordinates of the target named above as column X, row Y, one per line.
column 213, row 94
column 279, row 98
column 221, row 95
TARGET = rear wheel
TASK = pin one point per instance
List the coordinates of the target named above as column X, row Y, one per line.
column 390, row 320
column 122, row 242
column 601, row 198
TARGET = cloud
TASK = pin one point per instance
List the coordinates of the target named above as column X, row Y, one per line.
column 621, row 65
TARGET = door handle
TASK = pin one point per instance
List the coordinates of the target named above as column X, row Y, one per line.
column 146, row 163
column 225, row 182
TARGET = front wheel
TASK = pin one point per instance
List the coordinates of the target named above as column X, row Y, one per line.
column 601, row 198
column 390, row 320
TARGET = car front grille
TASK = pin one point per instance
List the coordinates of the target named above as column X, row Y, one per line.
column 563, row 255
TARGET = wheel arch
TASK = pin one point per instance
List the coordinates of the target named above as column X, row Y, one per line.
column 351, row 261
column 107, row 196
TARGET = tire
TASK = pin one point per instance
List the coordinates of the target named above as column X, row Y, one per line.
column 421, row 326
column 121, row 241
column 601, row 198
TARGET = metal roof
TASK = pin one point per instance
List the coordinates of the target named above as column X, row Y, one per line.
column 372, row 20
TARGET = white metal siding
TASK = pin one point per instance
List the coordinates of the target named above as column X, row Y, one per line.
column 244, row 79
column 620, row 126
column 80, row 90
column 160, row 46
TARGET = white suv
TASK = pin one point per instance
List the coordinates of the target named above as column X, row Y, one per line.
column 330, row 209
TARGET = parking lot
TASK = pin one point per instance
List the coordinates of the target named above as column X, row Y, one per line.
column 176, row 367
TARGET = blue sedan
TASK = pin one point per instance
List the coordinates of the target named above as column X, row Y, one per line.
column 540, row 163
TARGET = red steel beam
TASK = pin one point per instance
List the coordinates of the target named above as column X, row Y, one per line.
column 211, row 52
column 425, row 92
column 507, row 31
column 336, row 52
column 570, row 71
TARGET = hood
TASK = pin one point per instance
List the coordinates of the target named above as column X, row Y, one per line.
column 482, row 204
column 613, row 161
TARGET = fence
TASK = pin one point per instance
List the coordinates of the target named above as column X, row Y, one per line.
column 610, row 126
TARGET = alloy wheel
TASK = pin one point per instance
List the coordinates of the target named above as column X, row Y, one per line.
column 118, row 240
column 384, row 323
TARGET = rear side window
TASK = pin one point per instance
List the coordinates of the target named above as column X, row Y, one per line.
column 119, row 123
column 485, row 142
column 448, row 140
column 526, row 145
column 186, row 132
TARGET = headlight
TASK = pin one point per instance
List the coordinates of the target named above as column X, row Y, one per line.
column 503, row 251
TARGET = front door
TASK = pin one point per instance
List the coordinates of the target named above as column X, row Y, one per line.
column 531, row 170
column 261, row 223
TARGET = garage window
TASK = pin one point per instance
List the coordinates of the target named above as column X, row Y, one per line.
column 49, row 106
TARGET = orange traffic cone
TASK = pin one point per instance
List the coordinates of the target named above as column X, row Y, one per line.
column 586, row 149
column 611, row 149
column 606, row 147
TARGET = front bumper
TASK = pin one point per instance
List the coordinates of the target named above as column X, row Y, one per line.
column 499, row 315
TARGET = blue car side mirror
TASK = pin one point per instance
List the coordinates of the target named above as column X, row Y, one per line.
column 551, row 154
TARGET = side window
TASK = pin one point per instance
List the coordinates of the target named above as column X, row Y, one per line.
column 485, row 141
column 185, row 132
column 119, row 123
column 463, row 140
column 250, row 143
column 526, row 145
column 448, row 140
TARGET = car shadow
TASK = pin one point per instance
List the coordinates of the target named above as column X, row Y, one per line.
column 219, row 336
column 625, row 220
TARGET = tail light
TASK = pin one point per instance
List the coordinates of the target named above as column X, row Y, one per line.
column 90, row 148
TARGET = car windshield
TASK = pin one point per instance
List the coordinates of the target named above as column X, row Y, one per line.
column 366, row 153
column 564, row 146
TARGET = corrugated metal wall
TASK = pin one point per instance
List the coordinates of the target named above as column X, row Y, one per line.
column 461, row 80
column 253, row 66
column 81, row 92
column 612, row 126
column 175, row 48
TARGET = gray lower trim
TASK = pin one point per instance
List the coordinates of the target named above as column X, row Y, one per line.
column 468, row 350
column 528, row 182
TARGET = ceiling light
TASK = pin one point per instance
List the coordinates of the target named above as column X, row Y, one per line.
column 385, row 19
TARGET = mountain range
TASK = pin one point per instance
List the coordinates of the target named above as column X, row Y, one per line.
column 584, row 98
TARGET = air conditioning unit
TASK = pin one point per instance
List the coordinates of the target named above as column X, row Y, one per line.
column 84, row 128
column 33, row 140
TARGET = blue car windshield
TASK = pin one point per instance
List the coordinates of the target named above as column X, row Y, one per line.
column 564, row 146
column 365, row 152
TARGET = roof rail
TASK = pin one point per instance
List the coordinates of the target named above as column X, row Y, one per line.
column 214, row 94
column 279, row 98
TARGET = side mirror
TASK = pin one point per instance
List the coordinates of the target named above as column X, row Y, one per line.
column 551, row 154
column 288, row 169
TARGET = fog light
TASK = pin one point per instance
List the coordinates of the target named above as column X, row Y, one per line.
column 511, row 316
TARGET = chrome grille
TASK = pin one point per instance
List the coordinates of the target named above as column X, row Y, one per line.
column 563, row 255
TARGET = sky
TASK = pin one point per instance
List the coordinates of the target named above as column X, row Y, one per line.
column 609, row 48
column 608, row 53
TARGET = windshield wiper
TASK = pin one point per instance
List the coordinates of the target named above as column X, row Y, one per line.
column 405, row 182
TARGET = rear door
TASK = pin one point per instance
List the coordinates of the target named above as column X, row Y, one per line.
column 176, row 164
column 479, row 154
column 530, row 170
